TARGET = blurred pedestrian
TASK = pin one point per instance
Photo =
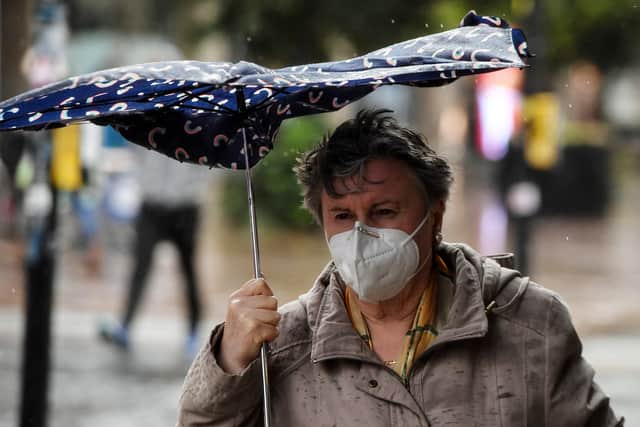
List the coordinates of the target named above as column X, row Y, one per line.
column 171, row 195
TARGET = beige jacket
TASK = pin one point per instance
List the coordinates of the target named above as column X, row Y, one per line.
column 518, row 365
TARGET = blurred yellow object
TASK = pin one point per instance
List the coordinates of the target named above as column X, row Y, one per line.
column 66, row 172
column 542, row 116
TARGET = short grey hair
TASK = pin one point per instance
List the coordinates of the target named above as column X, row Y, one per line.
column 370, row 135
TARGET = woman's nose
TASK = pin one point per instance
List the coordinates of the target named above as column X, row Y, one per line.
column 367, row 231
column 362, row 219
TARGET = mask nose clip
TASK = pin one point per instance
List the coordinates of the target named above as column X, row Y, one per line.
column 363, row 230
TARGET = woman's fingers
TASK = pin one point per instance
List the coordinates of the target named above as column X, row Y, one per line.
column 258, row 317
column 255, row 301
column 252, row 319
column 264, row 333
column 255, row 287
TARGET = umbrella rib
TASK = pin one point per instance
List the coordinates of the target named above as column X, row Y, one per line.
column 101, row 103
column 148, row 98
column 269, row 99
column 233, row 112
column 219, row 107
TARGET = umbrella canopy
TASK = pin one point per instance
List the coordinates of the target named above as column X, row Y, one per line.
column 194, row 111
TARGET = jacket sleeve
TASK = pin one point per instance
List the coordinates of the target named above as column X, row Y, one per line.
column 574, row 399
column 211, row 397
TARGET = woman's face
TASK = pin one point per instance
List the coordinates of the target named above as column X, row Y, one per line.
column 389, row 196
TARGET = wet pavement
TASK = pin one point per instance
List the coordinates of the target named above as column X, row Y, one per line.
column 93, row 384
column 590, row 262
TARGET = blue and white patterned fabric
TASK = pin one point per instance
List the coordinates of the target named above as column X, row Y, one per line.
column 189, row 110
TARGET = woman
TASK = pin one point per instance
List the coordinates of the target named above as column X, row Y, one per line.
column 401, row 328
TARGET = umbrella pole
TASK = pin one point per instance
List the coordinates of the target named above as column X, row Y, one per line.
column 266, row 397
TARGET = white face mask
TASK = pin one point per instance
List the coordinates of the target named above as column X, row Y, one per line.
column 376, row 263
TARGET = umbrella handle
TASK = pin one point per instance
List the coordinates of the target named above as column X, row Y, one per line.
column 266, row 397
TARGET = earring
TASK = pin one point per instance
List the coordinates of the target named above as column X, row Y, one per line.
column 438, row 238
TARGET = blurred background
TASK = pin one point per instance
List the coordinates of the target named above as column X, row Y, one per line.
column 547, row 166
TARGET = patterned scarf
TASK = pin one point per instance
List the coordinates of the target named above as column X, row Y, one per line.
column 418, row 338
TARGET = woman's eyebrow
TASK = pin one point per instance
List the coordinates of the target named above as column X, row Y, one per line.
column 386, row 202
column 337, row 209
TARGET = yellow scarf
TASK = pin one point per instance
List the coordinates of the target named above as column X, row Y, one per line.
column 418, row 338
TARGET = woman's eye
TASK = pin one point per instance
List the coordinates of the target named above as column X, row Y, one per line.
column 384, row 212
column 342, row 216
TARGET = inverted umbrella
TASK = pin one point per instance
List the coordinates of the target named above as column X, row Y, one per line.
column 227, row 115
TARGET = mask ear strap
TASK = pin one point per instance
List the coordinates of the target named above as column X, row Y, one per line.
column 420, row 266
column 418, row 228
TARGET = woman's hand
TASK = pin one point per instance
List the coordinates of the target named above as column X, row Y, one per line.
column 252, row 318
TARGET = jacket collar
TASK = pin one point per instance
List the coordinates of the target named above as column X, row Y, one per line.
column 333, row 335
column 465, row 315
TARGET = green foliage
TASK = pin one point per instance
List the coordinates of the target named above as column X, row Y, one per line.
column 278, row 199
column 286, row 32
column 603, row 32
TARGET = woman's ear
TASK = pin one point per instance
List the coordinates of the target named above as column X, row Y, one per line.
column 438, row 214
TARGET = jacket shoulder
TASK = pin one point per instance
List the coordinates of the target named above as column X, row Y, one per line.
column 528, row 304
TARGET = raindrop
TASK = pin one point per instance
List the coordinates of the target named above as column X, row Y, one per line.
column 566, row 238
column 249, row 39
column 570, row 105
column 426, row 25
column 393, row 21
column 441, row 25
